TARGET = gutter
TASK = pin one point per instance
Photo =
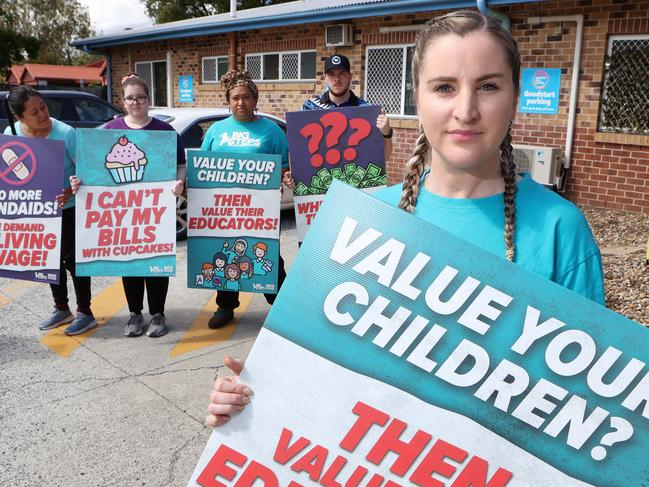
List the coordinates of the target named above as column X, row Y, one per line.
column 219, row 26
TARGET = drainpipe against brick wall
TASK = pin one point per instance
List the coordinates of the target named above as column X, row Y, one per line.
column 574, row 84
column 501, row 17
column 232, row 51
column 109, row 77
column 170, row 86
column 232, row 54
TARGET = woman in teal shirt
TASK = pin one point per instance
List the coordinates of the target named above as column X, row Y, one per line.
column 243, row 132
column 34, row 120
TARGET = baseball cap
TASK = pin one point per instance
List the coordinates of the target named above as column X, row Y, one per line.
column 337, row 61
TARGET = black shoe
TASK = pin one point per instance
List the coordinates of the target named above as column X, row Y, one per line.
column 221, row 318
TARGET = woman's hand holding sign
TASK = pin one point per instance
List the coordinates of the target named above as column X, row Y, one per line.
column 287, row 179
column 177, row 190
column 63, row 198
column 228, row 396
column 75, row 182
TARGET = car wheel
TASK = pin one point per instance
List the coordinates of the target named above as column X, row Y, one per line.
column 181, row 217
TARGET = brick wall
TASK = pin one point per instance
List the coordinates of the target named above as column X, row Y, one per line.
column 607, row 170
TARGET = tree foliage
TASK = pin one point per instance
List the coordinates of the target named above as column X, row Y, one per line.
column 16, row 47
column 55, row 23
column 170, row 10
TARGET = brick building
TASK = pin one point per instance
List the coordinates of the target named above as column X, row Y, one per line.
column 601, row 128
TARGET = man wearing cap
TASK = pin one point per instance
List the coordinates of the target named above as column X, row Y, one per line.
column 338, row 79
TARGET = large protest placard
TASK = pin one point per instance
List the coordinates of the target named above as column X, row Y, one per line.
column 398, row 354
column 31, row 176
column 341, row 143
column 126, row 210
column 233, row 221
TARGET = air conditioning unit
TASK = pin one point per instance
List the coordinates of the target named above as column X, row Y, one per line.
column 339, row 35
column 543, row 163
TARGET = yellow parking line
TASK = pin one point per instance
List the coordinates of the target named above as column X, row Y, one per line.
column 200, row 336
column 7, row 291
column 18, row 286
column 104, row 306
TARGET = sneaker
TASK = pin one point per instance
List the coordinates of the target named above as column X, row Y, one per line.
column 81, row 323
column 221, row 318
column 157, row 326
column 59, row 317
column 134, row 326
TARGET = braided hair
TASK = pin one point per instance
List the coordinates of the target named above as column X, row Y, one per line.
column 462, row 23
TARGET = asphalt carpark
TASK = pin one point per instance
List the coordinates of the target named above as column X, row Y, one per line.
column 104, row 409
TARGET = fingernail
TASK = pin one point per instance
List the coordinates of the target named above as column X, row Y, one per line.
column 247, row 391
column 240, row 408
column 246, row 400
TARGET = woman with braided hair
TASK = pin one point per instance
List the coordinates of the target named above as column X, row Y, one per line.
column 243, row 132
column 461, row 176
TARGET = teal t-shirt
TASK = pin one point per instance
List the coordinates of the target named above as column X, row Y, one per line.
column 60, row 131
column 552, row 237
column 261, row 136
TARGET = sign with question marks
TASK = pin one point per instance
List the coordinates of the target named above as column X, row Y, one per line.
column 31, row 176
column 233, row 217
column 416, row 358
column 343, row 144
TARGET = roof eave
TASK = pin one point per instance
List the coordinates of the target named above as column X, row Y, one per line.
column 237, row 25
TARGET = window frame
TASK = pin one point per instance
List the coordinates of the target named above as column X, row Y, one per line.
column 609, row 49
column 404, row 71
column 216, row 59
column 152, row 94
column 280, row 66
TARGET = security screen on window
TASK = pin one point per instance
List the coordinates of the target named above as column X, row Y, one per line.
column 388, row 79
column 282, row 66
column 625, row 98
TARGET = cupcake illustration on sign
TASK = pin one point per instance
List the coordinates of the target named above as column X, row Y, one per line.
column 125, row 161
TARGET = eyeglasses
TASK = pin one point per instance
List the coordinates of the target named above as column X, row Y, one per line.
column 132, row 99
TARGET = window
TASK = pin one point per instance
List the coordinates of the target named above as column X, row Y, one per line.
column 154, row 74
column 625, row 97
column 282, row 66
column 388, row 81
column 93, row 111
column 213, row 68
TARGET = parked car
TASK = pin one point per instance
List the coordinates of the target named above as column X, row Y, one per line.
column 192, row 124
column 76, row 108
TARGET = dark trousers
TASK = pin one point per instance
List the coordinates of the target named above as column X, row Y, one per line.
column 81, row 284
column 156, row 293
column 230, row 299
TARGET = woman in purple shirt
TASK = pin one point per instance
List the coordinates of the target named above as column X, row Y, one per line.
column 136, row 103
